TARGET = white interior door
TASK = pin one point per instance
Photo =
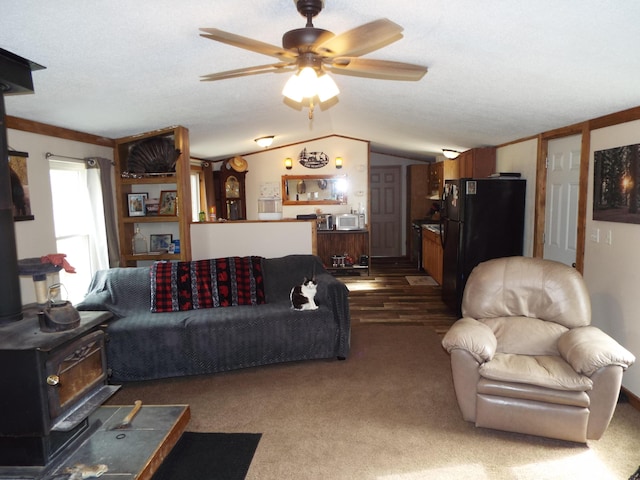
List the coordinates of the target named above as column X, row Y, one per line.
column 561, row 212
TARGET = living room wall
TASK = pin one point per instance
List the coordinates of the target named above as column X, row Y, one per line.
column 611, row 272
column 267, row 168
column 36, row 237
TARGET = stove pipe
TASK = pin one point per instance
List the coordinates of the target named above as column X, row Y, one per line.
column 15, row 77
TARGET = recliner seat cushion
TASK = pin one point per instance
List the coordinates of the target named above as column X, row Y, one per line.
column 542, row 370
column 525, row 336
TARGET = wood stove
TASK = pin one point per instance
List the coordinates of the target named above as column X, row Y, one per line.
column 51, row 383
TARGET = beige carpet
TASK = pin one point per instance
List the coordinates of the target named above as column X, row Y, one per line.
column 420, row 280
column 386, row 413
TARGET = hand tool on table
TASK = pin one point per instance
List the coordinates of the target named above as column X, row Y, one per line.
column 126, row 422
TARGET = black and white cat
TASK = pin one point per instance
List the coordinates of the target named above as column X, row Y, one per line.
column 303, row 296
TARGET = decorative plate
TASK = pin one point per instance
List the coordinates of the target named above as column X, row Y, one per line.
column 313, row 159
column 154, row 155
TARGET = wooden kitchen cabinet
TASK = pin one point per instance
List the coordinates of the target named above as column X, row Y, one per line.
column 441, row 171
column 432, row 254
column 477, row 162
column 355, row 243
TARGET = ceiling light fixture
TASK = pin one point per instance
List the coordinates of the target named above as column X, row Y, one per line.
column 265, row 142
column 450, row 154
column 310, row 81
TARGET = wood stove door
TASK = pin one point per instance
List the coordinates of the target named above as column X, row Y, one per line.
column 74, row 372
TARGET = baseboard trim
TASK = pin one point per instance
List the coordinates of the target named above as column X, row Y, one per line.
column 634, row 401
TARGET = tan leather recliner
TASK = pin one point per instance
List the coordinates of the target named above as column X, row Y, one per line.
column 524, row 356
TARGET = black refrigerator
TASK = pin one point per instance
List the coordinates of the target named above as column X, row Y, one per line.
column 481, row 219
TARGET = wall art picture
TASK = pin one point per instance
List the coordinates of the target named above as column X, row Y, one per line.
column 20, row 186
column 161, row 242
column 136, row 202
column 167, row 202
column 616, row 184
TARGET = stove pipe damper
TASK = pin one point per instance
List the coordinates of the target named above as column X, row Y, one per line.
column 15, row 77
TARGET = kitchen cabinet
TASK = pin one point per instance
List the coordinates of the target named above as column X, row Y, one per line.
column 146, row 174
column 418, row 203
column 477, row 162
column 441, row 171
column 432, row 254
column 354, row 243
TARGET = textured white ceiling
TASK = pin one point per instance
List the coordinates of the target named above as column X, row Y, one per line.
column 499, row 70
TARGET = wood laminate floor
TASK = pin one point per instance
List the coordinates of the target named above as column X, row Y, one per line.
column 385, row 296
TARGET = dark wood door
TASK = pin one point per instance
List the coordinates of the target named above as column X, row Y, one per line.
column 386, row 211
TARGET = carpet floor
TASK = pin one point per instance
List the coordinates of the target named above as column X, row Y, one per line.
column 388, row 412
column 209, row 456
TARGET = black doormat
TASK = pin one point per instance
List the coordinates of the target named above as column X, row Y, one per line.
column 209, row 456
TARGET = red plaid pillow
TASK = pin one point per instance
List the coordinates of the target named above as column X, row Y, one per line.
column 219, row 282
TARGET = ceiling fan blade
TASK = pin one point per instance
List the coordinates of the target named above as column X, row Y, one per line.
column 246, row 43
column 243, row 72
column 383, row 69
column 363, row 39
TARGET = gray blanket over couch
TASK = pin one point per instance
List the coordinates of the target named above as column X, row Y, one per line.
column 143, row 345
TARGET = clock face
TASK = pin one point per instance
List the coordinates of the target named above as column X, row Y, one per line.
column 232, row 187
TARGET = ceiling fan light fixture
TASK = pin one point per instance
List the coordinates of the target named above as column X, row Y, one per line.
column 327, row 88
column 293, row 89
column 307, row 84
column 450, row 154
column 265, row 142
column 308, row 81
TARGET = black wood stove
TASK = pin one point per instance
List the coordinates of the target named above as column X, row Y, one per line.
column 51, row 381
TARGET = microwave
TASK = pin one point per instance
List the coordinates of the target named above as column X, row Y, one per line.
column 350, row 221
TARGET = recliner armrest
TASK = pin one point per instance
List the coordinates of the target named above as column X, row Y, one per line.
column 473, row 336
column 588, row 349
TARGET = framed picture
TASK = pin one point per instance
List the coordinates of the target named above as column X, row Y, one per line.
column 161, row 242
column 20, row 186
column 136, row 202
column 167, row 202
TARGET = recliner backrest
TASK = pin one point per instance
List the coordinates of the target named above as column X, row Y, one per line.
column 529, row 287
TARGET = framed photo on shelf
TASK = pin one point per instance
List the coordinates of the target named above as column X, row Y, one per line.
column 168, row 202
column 161, row 242
column 136, row 202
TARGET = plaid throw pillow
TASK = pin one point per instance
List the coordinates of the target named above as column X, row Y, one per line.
column 219, row 282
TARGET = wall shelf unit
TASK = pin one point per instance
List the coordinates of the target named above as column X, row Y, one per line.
column 152, row 184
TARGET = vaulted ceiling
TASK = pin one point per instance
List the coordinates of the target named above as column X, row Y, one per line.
column 498, row 71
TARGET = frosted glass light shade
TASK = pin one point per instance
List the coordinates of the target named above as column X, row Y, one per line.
column 307, row 84
column 327, row 88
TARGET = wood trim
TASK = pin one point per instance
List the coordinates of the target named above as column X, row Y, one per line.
column 615, row 118
column 634, row 401
column 582, row 202
column 540, row 200
column 58, row 132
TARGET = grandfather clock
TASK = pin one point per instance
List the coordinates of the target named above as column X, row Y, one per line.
column 231, row 190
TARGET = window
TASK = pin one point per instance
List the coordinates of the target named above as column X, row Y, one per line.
column 78, row 217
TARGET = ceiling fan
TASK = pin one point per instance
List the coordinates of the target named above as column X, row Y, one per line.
column 310, row 52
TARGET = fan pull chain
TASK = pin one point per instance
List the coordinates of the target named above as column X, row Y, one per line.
column 311, row 109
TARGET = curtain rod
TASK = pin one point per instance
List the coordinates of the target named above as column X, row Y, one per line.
column 89, row 160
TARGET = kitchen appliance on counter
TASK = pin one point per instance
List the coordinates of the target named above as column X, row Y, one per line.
column 325, row 221
column 350, row 221
column 481, row 219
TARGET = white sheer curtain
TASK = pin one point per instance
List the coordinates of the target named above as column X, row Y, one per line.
column 78, row 216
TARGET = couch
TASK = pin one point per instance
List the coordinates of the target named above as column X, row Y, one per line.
column 524, row 356
column 143, row 345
